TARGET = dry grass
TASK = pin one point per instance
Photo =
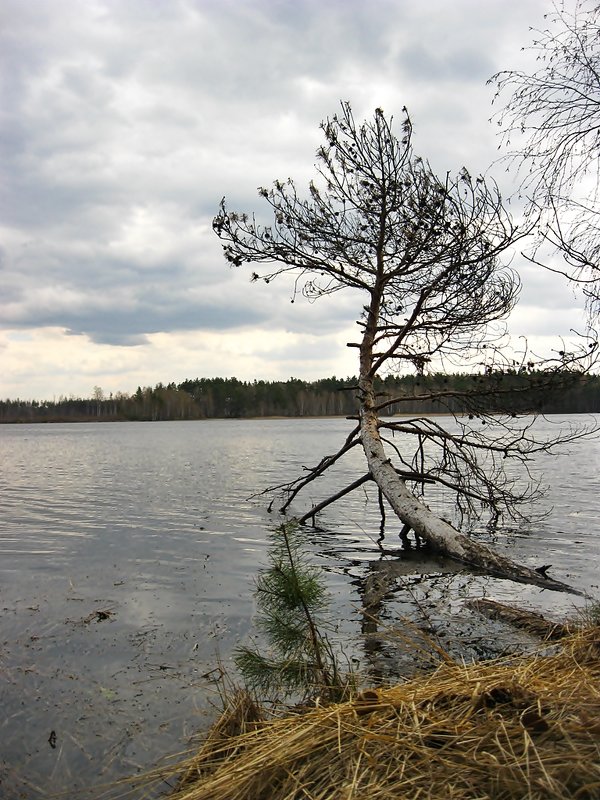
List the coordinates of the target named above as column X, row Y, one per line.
column 523, row 729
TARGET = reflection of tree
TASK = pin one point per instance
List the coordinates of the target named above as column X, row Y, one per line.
column 378, row 584
column 410, row 618
column 416, row 609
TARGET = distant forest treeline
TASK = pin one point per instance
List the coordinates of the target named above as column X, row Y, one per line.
column 204, row 398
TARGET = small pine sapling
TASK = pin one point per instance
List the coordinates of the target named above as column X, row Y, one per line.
column 291, row 598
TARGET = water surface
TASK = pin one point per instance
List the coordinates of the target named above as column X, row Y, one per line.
column 128, row 553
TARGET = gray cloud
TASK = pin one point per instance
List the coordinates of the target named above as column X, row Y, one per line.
column 425, row 64
column 123, row 124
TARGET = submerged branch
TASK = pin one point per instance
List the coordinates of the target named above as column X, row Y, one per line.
column 332, row 499
column 296, row 486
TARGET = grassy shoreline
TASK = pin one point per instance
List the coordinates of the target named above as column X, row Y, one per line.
column 506, row 729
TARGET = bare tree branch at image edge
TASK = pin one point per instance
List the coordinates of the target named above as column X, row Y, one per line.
column 550, row 128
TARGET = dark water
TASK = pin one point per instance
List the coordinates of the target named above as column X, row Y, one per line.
column 127, row 559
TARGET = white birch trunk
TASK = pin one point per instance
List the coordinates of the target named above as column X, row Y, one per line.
column 441, row 536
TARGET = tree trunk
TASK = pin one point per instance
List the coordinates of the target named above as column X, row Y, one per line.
column 444, row 538
column 440, row 535
column 529, row 621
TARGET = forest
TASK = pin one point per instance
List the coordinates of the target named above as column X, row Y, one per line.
column 230, row 398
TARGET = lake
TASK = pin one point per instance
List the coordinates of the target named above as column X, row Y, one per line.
column 128, row 553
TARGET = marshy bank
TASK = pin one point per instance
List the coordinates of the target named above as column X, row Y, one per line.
column 509, row 728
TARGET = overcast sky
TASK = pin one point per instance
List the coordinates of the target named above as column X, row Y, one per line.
column 124, row 122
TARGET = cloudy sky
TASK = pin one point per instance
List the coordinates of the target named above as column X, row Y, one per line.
column 124, row 122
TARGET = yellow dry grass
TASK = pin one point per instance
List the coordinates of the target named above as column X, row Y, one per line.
column 528, row 728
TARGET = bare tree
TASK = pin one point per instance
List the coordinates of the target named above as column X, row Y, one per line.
column 425, row 254
column 551, row 127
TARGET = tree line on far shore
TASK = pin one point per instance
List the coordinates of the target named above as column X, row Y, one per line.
column 230, row 398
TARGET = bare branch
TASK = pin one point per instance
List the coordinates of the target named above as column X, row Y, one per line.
column 311, row 514
column 551, row 129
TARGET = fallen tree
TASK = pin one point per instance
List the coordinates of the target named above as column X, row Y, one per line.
column 529, row 621
column 427, row 256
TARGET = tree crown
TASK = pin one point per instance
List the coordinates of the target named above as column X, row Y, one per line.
column 377, row 219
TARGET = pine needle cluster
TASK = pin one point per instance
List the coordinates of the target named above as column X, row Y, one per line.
column 292, row 602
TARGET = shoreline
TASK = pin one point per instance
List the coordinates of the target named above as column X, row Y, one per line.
column 408, row 414
column 490, row 728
